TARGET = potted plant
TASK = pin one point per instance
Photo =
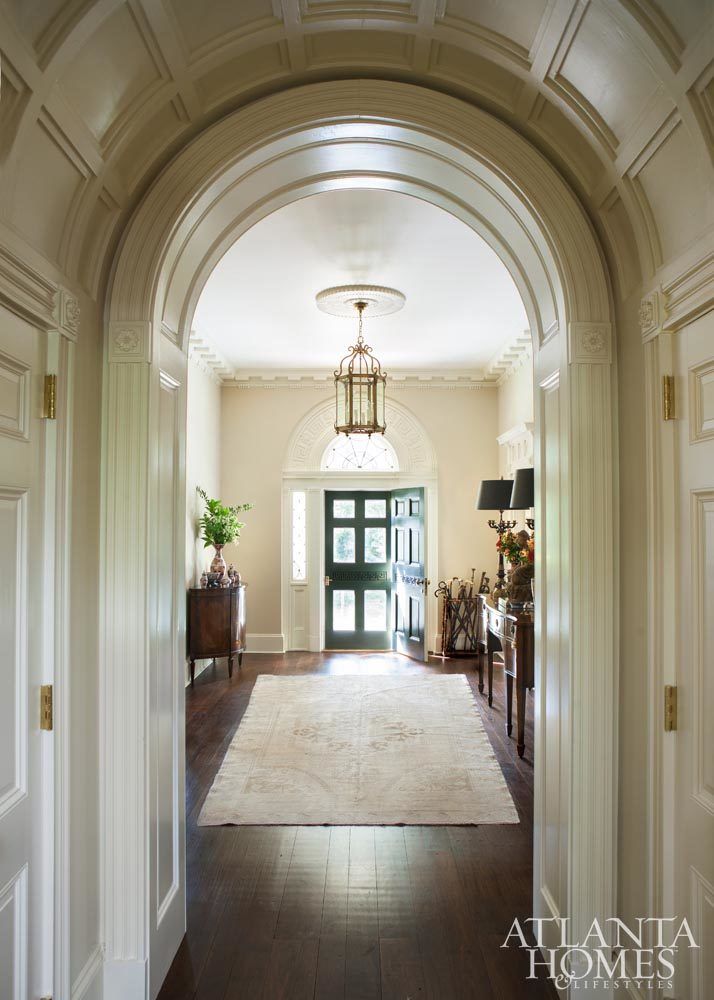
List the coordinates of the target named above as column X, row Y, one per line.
column 519, row 549
column 220, row 526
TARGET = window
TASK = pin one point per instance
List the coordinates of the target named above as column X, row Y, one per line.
column 360, row 453
column 299, row 536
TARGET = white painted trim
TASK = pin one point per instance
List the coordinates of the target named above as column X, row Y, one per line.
column 264, row 642
column 124, row 980
column 89, row 983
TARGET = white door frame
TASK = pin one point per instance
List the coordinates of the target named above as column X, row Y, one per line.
column 432, row 146
column 307, row 597
column 54, row 311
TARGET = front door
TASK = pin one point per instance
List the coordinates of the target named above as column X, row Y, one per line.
column 357, row 571
column 25, row 751
column 409, row 582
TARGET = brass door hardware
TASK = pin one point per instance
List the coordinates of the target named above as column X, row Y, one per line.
column 50, row 397
column 46, row 708
column 668, row 397
column 670, row 708
column 328, row 581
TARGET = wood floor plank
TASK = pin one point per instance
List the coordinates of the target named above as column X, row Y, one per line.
column 349, row 913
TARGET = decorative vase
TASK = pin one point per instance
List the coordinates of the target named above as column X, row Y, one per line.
column 219, row 563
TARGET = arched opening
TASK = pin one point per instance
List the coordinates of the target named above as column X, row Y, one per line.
column 439, row 150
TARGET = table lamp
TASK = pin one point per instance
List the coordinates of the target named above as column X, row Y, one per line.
column 523, row 494
column 495, row 494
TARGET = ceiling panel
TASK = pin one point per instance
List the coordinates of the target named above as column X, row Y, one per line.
column 258, row 306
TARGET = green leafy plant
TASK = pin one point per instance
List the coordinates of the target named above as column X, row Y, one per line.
column 219, row 524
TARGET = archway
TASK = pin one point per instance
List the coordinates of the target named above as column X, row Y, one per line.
column 359, row 133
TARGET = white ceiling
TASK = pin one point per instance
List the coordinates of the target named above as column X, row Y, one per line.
column 258, row 306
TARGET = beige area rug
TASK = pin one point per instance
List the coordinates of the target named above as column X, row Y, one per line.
column 361, row 750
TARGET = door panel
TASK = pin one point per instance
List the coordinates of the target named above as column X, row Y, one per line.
column 694, row 737
column 25, row 813
column 409, row 582
column 357, row 566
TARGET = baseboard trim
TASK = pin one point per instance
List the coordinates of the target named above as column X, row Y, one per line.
column 264, row 642
column 88, row 984
column 124, row 980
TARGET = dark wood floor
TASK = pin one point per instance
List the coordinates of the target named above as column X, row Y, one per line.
column 349, row 912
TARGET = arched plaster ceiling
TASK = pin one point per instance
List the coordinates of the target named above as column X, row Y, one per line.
column 258, row 306
column 97, row 95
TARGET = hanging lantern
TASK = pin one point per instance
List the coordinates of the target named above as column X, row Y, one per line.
column 360, row 388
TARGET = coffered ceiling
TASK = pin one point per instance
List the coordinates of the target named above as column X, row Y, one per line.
column 258, row 307
column 98, row 94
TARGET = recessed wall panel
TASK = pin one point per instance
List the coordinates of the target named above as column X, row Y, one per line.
column 13, row 647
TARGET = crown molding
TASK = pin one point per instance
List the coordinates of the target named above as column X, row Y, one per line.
column 26, row 292
column 321, row 380
column 509, row 359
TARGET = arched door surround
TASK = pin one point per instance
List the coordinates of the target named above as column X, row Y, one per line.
column 316, row 138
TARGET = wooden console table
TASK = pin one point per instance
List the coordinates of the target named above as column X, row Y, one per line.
column 512, row 634
column 216, row 624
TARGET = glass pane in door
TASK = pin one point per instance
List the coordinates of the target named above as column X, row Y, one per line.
column 343, row 508
column 343, row 610
column 375, row 610
column 343, row 545
column 375, row 545
column 375, row 508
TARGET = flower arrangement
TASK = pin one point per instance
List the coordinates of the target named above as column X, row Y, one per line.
column 219, row 524
column 518, row 549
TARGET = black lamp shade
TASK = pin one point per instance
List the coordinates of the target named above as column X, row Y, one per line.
column 523, row 495
column 494, row 494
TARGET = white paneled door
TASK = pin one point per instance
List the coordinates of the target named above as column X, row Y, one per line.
column 694, row 782
column 25, row 751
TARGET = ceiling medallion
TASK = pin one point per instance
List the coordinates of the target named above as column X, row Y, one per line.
column 360, row 381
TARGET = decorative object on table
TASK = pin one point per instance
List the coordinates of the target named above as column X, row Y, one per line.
column 495, row 494
column 216, row 624
column 523, row 493
column 459, row 617
column 204, row 579
column 483, row 587
column 220, row 526
column 360, row 382
column 519, row 549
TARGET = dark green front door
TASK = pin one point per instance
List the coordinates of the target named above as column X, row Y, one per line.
column 358, row 570
column 408, row 562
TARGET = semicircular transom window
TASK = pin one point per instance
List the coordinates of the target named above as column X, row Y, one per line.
column 359, row 453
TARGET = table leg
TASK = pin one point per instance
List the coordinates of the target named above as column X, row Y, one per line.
column 509, row 704
column 230, row 666
column 521, row 716
column 490, row 677
column 480, row 672
column 240, row 658
column 193, row 670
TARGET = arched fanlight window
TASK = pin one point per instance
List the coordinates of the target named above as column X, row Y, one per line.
column 359, row 454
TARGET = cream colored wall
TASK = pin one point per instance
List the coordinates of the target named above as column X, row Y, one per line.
column 515, row 398
column 256, row 428
column 203, row 451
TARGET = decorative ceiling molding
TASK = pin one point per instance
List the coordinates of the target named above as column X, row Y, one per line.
column 396, row 381
column 509, row 359
column 206, row 356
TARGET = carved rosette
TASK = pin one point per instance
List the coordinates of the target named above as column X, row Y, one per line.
column 650, row 315
column 590, row 343
column 128, row 342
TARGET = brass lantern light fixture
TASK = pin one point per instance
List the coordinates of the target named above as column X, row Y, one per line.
column 360, row 383
column 360, row 389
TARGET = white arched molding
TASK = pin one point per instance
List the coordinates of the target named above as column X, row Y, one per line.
column 377, row 134
column 405, row 433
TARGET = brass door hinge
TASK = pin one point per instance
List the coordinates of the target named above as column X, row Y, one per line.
column 50, row 397
column 46, row 708
column 668, row 397
column 670, row 708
